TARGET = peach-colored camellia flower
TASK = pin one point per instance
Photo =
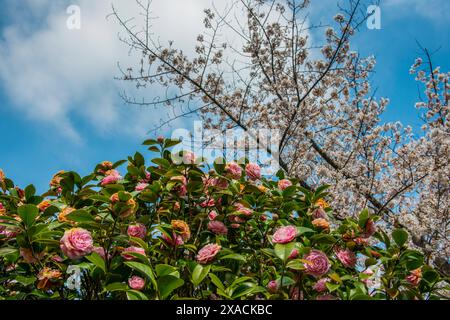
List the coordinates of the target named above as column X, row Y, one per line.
column 47, row 277
column 183, row 229
column 253, row 171
column 44, row 205
column 141, row 186
column 414, row 277
column 322, row 204
column 207, row 253
column 283, row 184
column 347, row 257
column 62, row 216
column 56, row 180
column 130, row 202
column 273, row 286
column 217, row 227
column 136, row 283
column 321, row 224
column 189, row 157
column 284, row 234
column 105, row 166
column 321, row 285
column 132, row 249
column 317, row 263
column 137, row 230
column 76, row 243
column 212, row 215
column 233, row 170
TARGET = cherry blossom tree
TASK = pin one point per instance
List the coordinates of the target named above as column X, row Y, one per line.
column 256, row 66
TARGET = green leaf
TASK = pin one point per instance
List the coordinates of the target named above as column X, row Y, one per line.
column 303, row 230
column 136, row 295
column 400, row 236
column 7, row 251
column 26, row 281
column 215, row 279
column 167, row 284
column 295, row 265
column 145, row 270
column 80, row 216
column 28, row 214
column 283, row 251
column 332, row 286
column 29, row 191
column 161, row 162
column 233, row 256
column 165, row 269
column 199, row 273
column 116, row 286
column 363, row 217
column 96, row 259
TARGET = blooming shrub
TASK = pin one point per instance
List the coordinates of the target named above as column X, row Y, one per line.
column 173, row 231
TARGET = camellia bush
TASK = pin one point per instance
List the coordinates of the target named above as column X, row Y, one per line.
column 183, row 231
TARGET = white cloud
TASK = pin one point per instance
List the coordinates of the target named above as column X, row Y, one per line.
column 54, row 75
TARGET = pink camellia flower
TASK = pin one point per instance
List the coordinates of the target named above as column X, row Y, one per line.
column 160, row 139
column 2, row 208
column 217, row 227
column 240, row 208
column 317, row 263
column 208, row 203
column 370, row 229
column 284, row 234
column 272, row 286
column 100, row 251
column 76, row 243
column 294, row 254
column 319, row 213
column 326, row 297
column 132, row 250
column 111, row 178
column 181, row 190
column 176, row 240
column 141, row 186
column 136, row 283
column 233, row 170
column 347, row 257
column 137, row 230
column 253, row 171
column 235, row 225
column 263, row 217
column 414, row 277
column 207, row 253
column 283, row 184
column 212, row 215
column 321, row 285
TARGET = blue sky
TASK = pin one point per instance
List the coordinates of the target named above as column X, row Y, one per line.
column 59, row 103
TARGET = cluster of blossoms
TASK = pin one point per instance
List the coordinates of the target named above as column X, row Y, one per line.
column 319, row 98
column 191, row 231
